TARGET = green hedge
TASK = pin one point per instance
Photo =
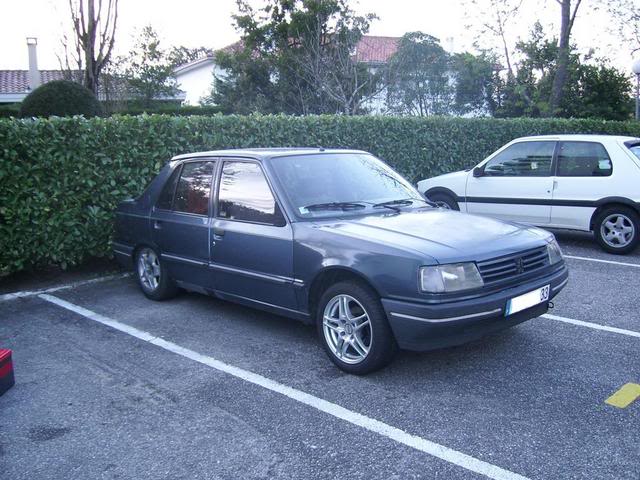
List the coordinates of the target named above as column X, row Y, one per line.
column 60, row 179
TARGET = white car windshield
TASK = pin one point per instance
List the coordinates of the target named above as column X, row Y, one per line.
column 320, row 185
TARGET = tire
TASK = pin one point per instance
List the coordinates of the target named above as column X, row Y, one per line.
column 617, row 229
column 152, row 275
column 445, row 201
column 375, row 336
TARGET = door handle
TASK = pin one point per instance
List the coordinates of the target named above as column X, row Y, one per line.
column 218, row 233
column 157, row 224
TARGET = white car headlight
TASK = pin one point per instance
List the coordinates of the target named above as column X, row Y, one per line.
column 553, row 249
column 450, row 278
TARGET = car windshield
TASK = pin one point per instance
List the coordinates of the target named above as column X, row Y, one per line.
column 332, row 184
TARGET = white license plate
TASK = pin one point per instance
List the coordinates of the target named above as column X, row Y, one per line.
column 527, row 300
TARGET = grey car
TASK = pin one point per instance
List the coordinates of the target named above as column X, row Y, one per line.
column 337, row 239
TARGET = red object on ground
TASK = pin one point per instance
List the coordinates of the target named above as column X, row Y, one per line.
column 6, row 371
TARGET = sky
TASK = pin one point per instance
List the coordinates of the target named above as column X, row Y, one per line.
column 208, row 23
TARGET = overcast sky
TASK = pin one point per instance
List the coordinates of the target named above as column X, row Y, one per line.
column 208, row 23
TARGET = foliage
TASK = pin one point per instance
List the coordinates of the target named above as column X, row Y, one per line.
column 419, row 82
column 168, row 108
column 148, row 70
column 61, row 98
column 592, row 87
column 296, row 57
column 9, row 110
column 61, row 179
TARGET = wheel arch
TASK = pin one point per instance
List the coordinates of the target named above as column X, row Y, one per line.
column 608, row 202
column 442, row 191
column 329, row 276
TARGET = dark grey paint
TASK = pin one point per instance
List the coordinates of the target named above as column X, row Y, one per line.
column 274, row 268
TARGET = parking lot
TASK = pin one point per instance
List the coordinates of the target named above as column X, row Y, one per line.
column 112, row 385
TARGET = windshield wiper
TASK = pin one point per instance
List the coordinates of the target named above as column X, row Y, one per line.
column 336, row 206
column 394, row 204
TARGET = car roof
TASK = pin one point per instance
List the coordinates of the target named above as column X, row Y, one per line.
column 578, row 137
column 262, row 153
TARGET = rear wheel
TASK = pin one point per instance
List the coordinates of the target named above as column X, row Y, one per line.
column 444, row 201
column 353, row 328
column 617, row 229
column 152, row 275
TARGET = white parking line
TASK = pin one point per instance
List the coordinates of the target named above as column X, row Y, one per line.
column 30, row 293
column 612, row 262
column 595, row 326
column 431, row 448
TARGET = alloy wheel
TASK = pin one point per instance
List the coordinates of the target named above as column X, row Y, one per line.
column 347, row 329
column 149, row 269
column 617, row 230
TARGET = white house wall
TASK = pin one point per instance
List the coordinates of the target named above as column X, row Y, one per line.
column 197, row 81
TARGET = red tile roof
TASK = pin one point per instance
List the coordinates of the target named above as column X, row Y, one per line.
column 17, row 81
column 372, row 49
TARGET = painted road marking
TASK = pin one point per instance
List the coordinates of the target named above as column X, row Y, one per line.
column 595, row 326
column 613, row 262
column 431, row 448
column 30, row 293
column 624, row 396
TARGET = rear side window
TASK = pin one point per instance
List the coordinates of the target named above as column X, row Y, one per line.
column 524, row 159
column 583, row 159
column 194, row 188
column 166, row 196
column 245, row 195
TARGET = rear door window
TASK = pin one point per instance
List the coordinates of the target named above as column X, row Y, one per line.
column 524, row 159
column 165, row 200
column 194, row 188
column 583, row 159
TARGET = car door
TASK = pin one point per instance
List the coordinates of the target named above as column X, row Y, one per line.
column 515, row 184
column 180, row 222
column 252, row 243
column 583, row 174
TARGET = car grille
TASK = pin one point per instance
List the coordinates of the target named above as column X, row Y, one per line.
column 510, row 266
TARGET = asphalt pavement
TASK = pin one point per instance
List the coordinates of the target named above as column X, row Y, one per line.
column 200, row 388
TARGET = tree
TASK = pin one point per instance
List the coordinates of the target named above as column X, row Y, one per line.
column 148, row 71
column 181, row 55
column 419, row 80
column 476, row 83
column 94, row 32
column 592, row 87
column 297, row 56
column 493, row 17
column 567, row 18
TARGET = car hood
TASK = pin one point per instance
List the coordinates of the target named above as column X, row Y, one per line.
column 444, row 235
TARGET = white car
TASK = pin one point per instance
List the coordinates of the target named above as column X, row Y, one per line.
column 578, row 182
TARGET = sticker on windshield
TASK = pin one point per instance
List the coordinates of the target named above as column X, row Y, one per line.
column 303, row 210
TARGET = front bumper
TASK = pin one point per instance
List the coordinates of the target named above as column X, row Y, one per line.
column 419, row 326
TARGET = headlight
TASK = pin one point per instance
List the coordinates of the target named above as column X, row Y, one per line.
column 450, row 278
column 553, row 249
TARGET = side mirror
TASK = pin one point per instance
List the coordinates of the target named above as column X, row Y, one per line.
column 478, row 172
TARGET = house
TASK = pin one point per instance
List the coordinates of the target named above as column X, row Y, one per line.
column 15, row 85
column 196, row 78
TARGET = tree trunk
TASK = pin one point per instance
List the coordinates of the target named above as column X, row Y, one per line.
column 562, row 60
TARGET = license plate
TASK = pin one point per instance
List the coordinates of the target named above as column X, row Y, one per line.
column 527, row 300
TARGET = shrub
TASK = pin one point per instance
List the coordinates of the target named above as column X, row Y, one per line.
column 60, row 179
column 9, row 110
column 61, row 98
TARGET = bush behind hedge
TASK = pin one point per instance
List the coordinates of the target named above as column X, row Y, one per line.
column 60, row 179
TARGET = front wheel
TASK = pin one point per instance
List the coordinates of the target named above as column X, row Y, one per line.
column 617, row 230
column 152, row 275
column 445, row 201
column 353, row 328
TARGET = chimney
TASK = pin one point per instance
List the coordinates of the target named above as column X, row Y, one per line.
column 34, row 73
